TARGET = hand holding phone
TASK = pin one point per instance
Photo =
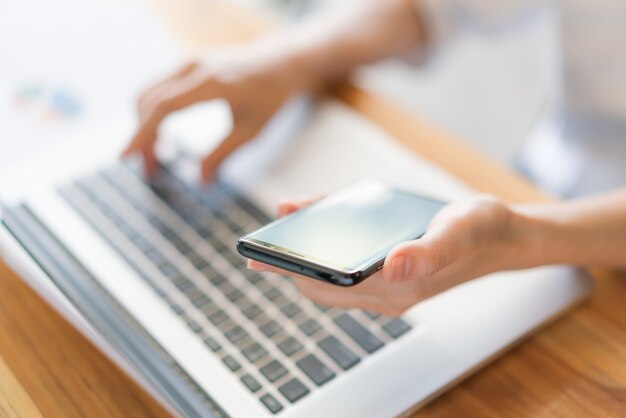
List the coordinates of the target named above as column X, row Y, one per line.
column 467, row 239
column 343, row 238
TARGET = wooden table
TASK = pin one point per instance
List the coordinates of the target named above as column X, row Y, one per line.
column 573, row 367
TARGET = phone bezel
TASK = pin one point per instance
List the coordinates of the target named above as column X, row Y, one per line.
column 286, row 260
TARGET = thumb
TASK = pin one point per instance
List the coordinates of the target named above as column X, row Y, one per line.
column 417, row 259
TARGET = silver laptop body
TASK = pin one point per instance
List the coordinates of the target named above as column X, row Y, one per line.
column 149, row 271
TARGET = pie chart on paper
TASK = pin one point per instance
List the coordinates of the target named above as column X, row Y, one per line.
column 47, row 104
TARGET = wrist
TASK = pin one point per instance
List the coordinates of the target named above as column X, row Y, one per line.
column 544, row 238
column 514, row 239
column 283, row 59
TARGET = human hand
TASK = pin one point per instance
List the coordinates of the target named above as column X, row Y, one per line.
column 254, row 80
column 467, row 239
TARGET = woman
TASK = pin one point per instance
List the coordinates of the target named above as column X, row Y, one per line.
column 468, row 238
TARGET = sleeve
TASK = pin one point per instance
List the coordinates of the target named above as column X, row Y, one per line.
column 444, row 19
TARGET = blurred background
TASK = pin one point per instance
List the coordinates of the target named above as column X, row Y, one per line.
column 72, row 67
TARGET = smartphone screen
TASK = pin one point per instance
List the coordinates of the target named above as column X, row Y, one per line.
column 351, row 227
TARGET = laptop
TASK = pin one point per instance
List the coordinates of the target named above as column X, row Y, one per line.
column 148, row 270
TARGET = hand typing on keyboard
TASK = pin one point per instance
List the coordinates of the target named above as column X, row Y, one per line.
column 257, row 77
column 255, row 85
column 467, row 239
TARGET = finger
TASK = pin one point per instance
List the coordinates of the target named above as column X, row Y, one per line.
column 235, row 139
column 332, row 295
column 183, row 95
column 320, row 292
column 308, row 201
column 371, row 286
column 155, row 90
column 365, row 295
column 258, row 266
column 150, row 163
column 286, row 207
column 145, row 135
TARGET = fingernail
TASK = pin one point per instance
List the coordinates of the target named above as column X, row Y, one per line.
column 401, row 267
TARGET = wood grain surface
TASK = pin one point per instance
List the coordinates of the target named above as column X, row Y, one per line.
column 52, row 369
column 573, row 367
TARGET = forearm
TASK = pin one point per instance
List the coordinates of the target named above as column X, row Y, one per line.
column 586, row 232
column 327, row 47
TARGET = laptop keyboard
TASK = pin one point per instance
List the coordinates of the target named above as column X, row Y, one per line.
column 181, row 241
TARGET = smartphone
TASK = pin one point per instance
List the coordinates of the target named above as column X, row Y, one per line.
column 344, row 237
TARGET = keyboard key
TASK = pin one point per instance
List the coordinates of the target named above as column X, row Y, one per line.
column 310, row 326
column 271, row 403
column 232, row 364
column 236, row 261
column 339, row 352
column 251, row 383
column 234, row 295
column 252, row 311
column 293, row 390
column 226, row 287
column 200, row 301
column 197, row 260
column 361, row 335
column 317, row 371
column 179, row 278
column 181, row 245
column 209, row 309
column 226, row 325
column 255, row 278
column 290, row 310
column 204, row 232
column 236, row 334
column 273, row 293
column 217, row 280
column 193, row 292
column 212, row 343
column 155, row 257
column 322, row 308
column 281, row 301
column 184, row 285
column 143, row 244
column 217, row 245
column 128, row 231
column 209, row 272
column 372, row 315
column 254, row 352
column 242, row 302
column 271, row 328
column 218, row 317
column 165, row 230
column 396, row 327
column 160, row 291
column 169, row 270
column 261, row 319
column 273, row 371
column 176, row 308
column 169, row 234
column 195, row 327
column 290, row 346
